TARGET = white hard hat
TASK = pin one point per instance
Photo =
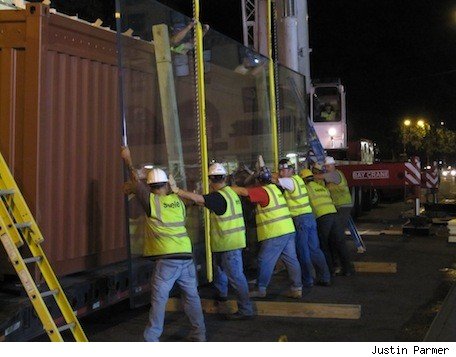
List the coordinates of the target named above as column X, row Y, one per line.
column 329, row 160
column 156, row 176
column 217, row 169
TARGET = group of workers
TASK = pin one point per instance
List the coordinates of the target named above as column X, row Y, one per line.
column 300, row 219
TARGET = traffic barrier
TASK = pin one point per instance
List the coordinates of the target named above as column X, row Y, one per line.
column 412, row 172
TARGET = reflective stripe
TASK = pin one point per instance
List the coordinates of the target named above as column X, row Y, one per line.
column 158, row 207
column 303, row 205
column 178, row 235
column 304, row 195
column 324, row 204
column 234, row 230
column 272, row 195
column 231, row 218
column 273, row 208
column 176, row 224
column 273, row 220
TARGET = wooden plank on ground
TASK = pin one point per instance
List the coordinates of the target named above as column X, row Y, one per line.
column 280, row 309
column 375, row 267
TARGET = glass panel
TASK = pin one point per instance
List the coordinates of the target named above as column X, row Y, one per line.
column 237, row 103
column 238, row 115
column 237, row 109
column 327, row 104
column 293, row 115
column 162, row 127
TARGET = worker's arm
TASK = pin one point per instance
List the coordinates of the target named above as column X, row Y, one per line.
column 191, row 196
column 141, row 190
column 320, row 177
column 213, row 201
column 241, row 191
column 178, row 37
column 126, row 156
column 285, row 183
column 332, row 177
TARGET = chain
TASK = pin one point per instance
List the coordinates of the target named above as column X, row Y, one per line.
column 276, row 74
column 195, row 83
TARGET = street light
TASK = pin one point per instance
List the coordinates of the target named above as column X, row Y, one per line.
column 442, row 123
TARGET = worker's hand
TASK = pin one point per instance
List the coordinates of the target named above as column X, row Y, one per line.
column 126, row 155
column 129, row 187
column 275, row 177
column 172, row 184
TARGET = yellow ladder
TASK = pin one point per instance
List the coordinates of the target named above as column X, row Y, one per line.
column 16, row 226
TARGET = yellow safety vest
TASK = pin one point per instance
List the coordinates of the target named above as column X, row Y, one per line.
column 166, row 233
column 320, row 199
column 228, row 229
column 298, row 200
column 274, row 220
column 340, row 193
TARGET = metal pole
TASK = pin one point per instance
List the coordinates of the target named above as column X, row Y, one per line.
column 272, row 88
column 124, row 143
column 201, row 112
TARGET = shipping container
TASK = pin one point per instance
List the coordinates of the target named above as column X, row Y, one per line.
column 60, row 132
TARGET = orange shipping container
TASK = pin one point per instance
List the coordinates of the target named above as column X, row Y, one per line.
column 60, row 133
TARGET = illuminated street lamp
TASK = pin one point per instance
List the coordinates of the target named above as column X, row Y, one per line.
column 442, row 123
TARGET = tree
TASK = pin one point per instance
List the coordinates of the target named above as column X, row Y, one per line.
column 431, row 141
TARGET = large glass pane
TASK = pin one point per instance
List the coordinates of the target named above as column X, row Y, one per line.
column 238, row 115
column 237, row 102
column 159, row 109
column 293, row 116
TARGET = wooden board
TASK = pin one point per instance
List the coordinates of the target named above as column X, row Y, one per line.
column 375, row 267
column 279, row 309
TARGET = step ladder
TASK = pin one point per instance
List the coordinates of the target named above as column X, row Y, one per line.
column 17, row 226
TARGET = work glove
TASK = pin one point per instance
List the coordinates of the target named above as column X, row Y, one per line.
column 172, row 184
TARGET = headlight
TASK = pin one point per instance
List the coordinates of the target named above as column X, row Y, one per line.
column 453, row 172
column 332, row 131
column 445, row 173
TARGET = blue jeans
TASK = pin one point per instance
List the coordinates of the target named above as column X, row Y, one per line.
column 166, row 273
column 271, row 250
column 308, row 250
column 229, row 268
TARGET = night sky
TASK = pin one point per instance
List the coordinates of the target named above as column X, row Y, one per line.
column 396, row 58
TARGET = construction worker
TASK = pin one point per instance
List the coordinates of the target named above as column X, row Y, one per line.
column 181, row 39
column 227, row 238
column 328, row 114
column 307, row 244
column 330, row 232
column 275, row 232
column 317, row 169
column 169, row 245
column 338, row 188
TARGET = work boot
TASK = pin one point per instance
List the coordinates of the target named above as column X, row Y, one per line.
column 237, row 316
column 257, row 294
column 294, row 294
